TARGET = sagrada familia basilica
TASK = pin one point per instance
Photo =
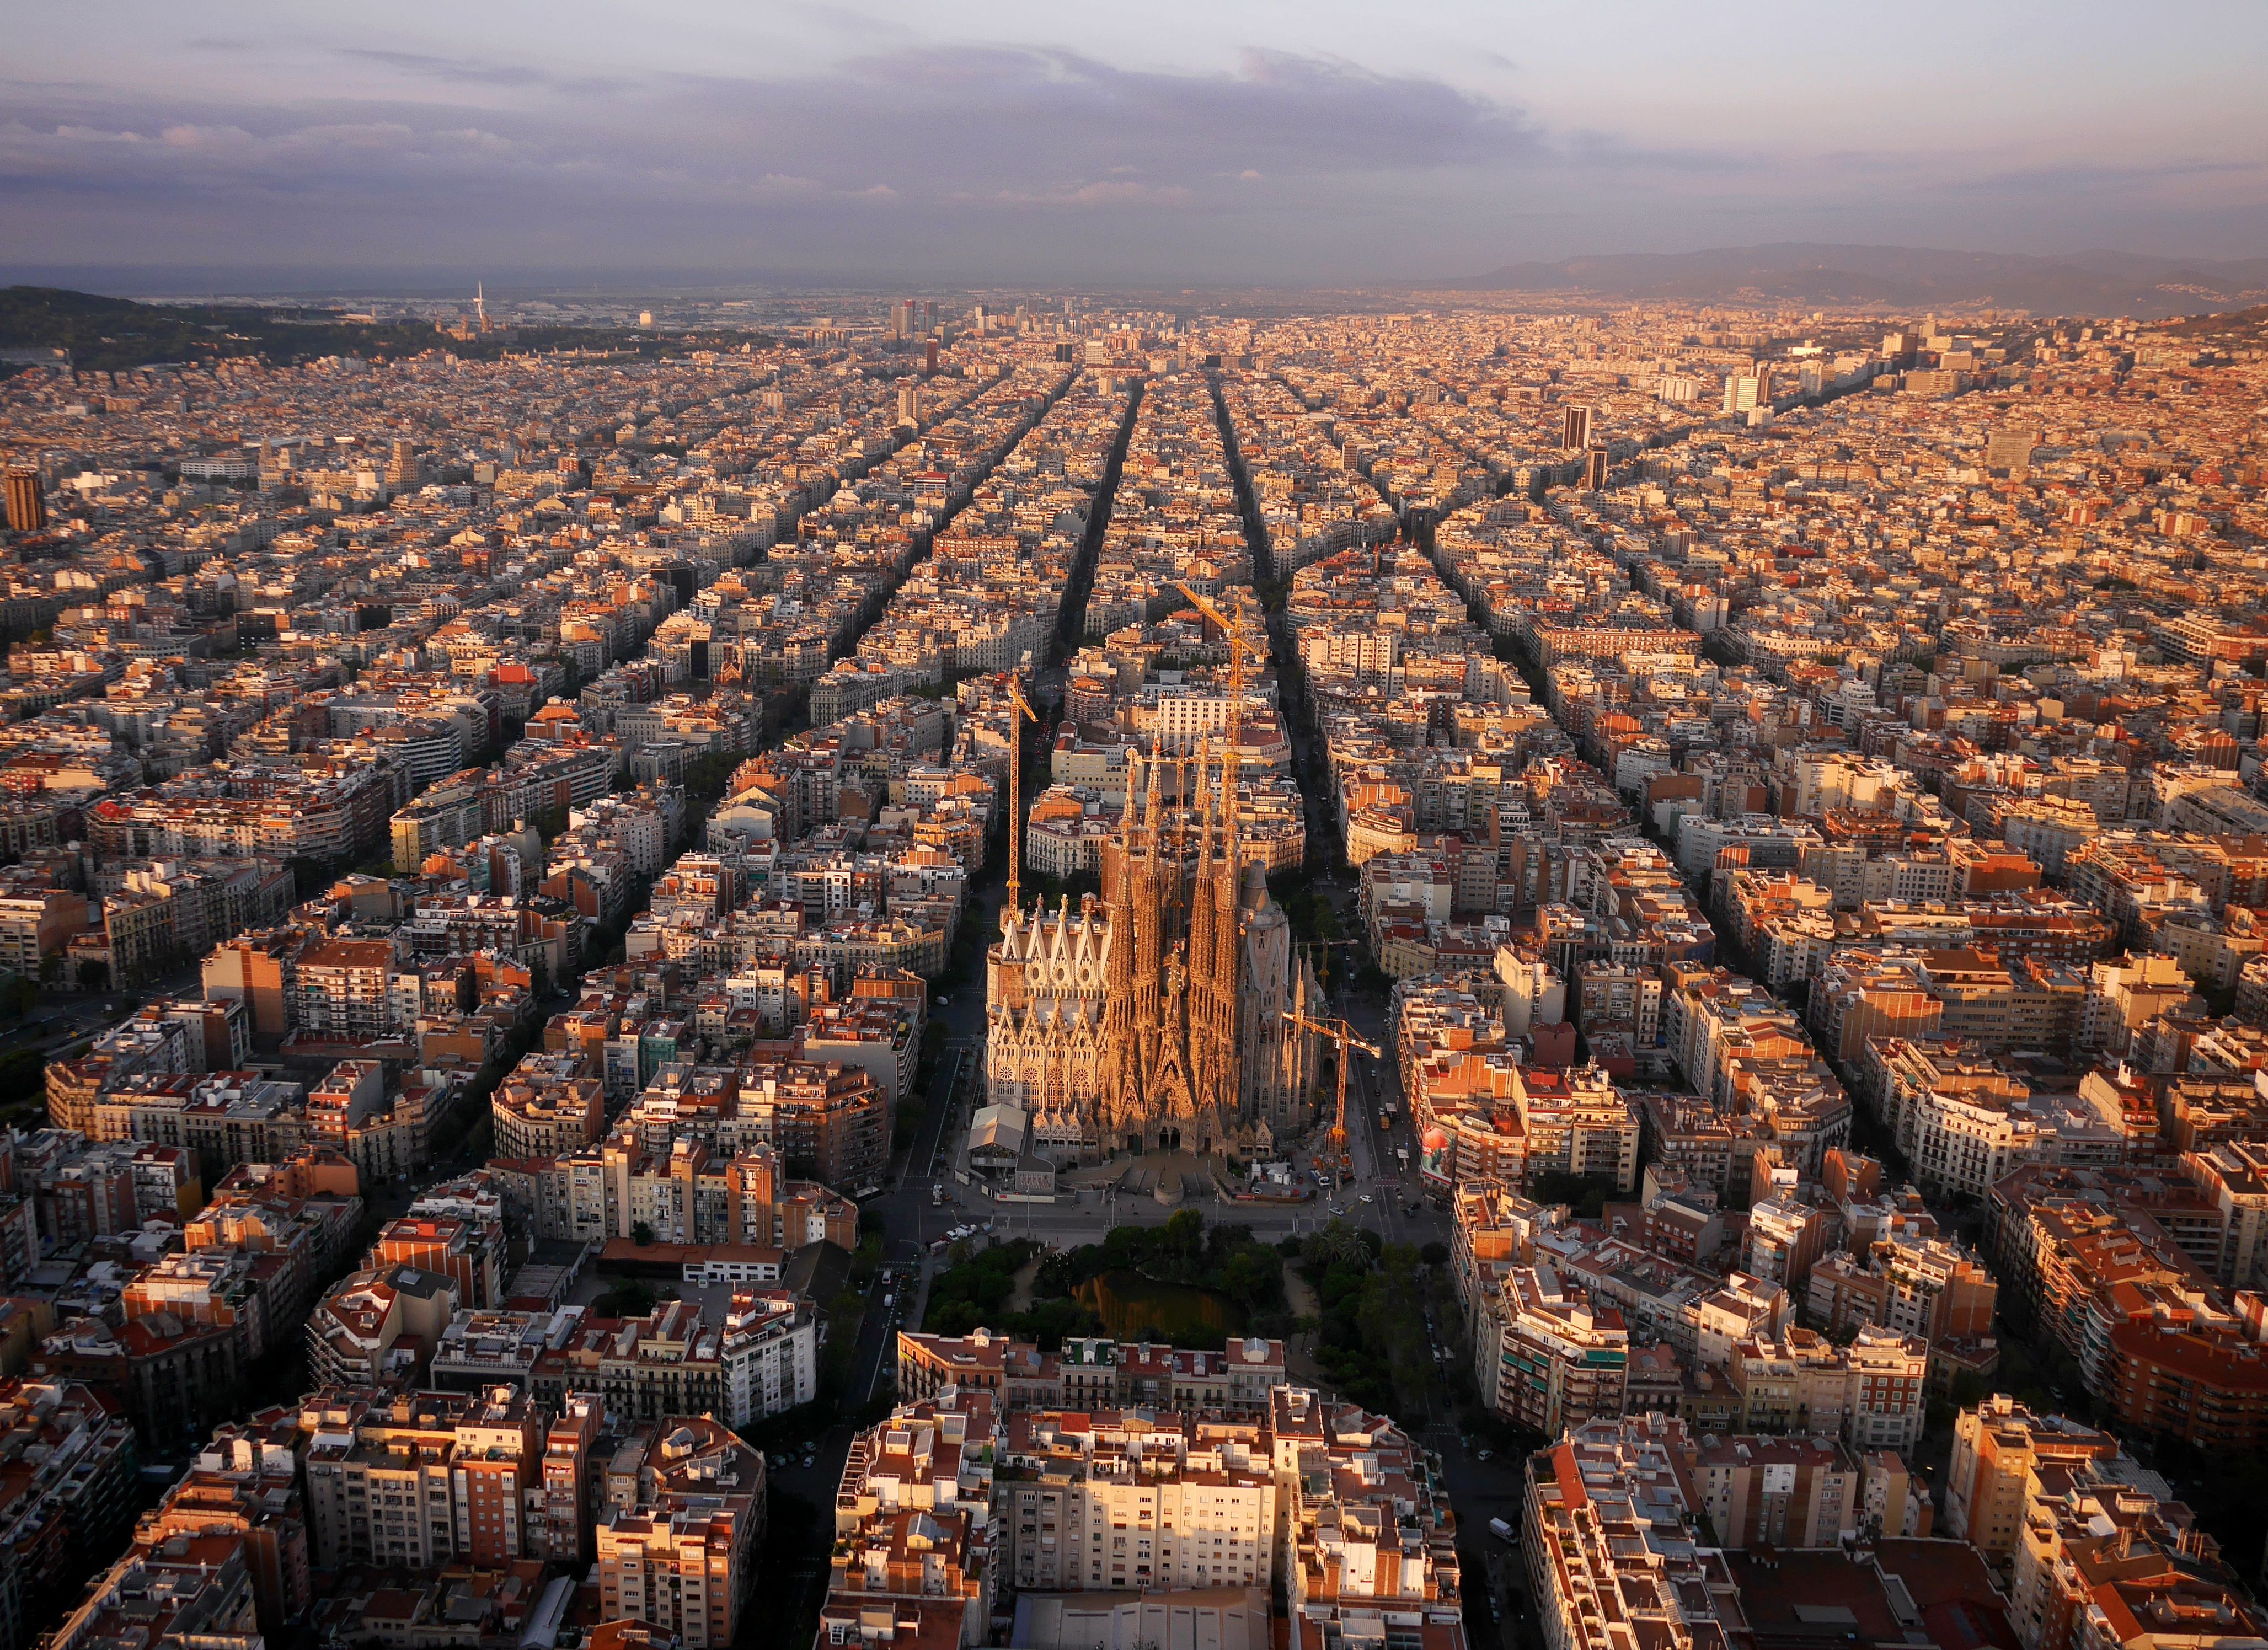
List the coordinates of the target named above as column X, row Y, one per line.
column 1158, row 1017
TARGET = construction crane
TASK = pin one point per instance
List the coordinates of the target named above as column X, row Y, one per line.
column 1016, row 702
column 1341, row 1034
column 1234, row 630
column 1321, row 949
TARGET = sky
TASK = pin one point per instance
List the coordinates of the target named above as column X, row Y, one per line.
column 1167, row 142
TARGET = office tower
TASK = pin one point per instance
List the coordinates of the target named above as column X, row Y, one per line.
column 1595, row 470
column 929, row 357
column 402, row 469
column 27, row 506
column 1576, row 434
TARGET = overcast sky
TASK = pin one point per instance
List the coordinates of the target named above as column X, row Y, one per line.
column 1168, row 141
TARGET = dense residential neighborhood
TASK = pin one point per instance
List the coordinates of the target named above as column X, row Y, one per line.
column 1075, row 973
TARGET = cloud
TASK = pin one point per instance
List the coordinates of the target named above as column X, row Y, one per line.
column 984, row 158
column 992, row 128
column 1118, row 193
column 91, row 135
column 453, row 69
column 2087, row 176
column 1027, row 124
column 473, row 72
column 188, row 137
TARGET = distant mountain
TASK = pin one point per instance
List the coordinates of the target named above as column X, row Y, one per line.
column 1899, row 278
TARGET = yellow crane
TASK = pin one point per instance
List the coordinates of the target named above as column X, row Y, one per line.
column 1344, row 1034
column 1233, row 628
column 1016, row 702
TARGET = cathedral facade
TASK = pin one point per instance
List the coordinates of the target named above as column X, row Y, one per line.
column 1156, row 1017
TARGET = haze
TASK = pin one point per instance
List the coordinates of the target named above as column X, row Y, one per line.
column 1171, row 141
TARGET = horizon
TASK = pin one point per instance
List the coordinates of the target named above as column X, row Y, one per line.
column 183, row 285
column 963, row 146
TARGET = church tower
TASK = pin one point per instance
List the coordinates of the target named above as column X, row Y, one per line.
column 1155, row 1017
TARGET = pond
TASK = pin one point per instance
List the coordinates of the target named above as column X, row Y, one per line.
column 1133, row 1308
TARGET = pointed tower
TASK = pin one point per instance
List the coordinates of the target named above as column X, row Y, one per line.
column 1228, row 945
column 1118, row 1002
column 1202, row 1017
column 1139, row 941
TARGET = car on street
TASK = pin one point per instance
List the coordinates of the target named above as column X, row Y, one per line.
column 1366, row 1197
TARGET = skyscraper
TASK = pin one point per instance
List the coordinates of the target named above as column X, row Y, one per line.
column 402, row 469
column 1575, row 433
column 1748, row 389
column 27, row 506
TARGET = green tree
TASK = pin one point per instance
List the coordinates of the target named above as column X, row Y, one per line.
column 1337, row 1242
column 642, row 1234
column 94, row 975
column 709, row 778
column 1253, row 1277
column 1181, row 1242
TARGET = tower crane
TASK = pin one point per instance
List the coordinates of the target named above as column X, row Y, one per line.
column 1344, row 1034
column 1233, row 628
column 1016, row 702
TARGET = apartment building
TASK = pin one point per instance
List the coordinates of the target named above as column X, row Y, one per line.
column 73, row 1460
column 1368, row 1536
column 1135, row 1499
column 1546, row 1356
column 421, row 1478
column 2104, row 1539
column 354, row 1332
column 1997, row 1447
column 560, row 1526
column 549, row 1105
column 1595, row 1502
column 681, row 1556
column 760, row 1360
column 340, row 989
